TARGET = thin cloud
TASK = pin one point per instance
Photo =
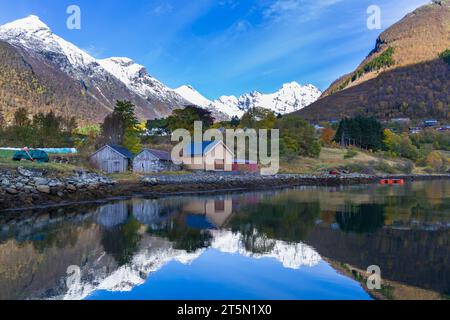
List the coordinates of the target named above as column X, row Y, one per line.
column 94, row 51
column 162, row 9
column 300, row 9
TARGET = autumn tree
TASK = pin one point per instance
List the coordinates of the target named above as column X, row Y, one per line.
column 297, row 137
column 400, row 145
column 436, row 161
column 327, row 136
column 122, row 127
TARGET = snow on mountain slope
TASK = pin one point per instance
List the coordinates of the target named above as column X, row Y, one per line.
column 136, row 77
column 111, row 79
column 229, row 105
column 291, row 256
column 155, row 253
column 196, row 98
column 106, row 80
column 291, row 97
column 34, row 35
column 193, row 96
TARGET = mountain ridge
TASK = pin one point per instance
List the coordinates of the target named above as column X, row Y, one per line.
column 402, row 76
column 96, row 84
column 289, row 98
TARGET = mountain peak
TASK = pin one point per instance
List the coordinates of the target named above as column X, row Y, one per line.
column 124, row 61
column 292, row 84
column 30, row 23
column 193, row 96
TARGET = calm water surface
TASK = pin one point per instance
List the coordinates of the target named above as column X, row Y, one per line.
column 287, row 244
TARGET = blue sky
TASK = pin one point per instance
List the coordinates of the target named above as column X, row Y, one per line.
column 224, row 47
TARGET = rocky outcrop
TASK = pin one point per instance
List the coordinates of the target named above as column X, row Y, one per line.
column 32, row 187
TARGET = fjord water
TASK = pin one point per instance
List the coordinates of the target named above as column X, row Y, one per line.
column 286, row 244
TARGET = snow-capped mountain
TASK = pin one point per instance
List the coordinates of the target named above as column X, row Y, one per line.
column 155, row 253
column 229, row 105
column 74, row 82
column 290, row 98
column 105, row 80
column 196, row 98
column 136, row 77
column 193, row 96
column 32, row 34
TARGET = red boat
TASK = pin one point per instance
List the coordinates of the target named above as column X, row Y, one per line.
column 393, row 181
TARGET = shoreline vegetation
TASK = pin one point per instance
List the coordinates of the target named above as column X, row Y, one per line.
column 358, row 150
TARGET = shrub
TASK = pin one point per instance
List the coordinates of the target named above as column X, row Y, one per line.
column 359, row 168
column 436, row 162
column 384, row 167
column 400, row 145
column 406, row 167
column 351, row 153
column 445, row 56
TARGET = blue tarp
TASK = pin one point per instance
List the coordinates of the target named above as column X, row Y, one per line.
column 48, row 150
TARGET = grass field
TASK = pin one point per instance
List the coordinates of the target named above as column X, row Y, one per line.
column 331, row 158
column 6, row 162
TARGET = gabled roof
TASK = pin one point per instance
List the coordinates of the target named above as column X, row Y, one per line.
column 199, row 148
column 202, row 148
column 122, row 150
column 161, row 155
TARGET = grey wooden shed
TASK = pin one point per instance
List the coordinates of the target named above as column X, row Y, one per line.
column 150, row 161
column 111, row 159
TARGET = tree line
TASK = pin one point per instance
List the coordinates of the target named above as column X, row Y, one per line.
column 297, row 136
column 37, row 131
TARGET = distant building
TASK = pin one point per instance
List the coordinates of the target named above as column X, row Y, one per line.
column 150, row 160
column 208, row 156
column 245, row 166
column 318, row 127
column 431, row 123
column 401, row 120
column 415, row 130
column 111, row 159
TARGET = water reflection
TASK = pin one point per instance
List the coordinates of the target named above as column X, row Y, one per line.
column 294, row 239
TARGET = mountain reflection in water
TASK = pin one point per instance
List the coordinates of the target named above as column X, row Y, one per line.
column 286, row 244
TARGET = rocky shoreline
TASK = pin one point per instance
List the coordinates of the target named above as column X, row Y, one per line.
column 28, row 189
column 24, row 188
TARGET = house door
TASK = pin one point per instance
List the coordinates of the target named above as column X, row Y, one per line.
column 219, row 165
column 114, row 166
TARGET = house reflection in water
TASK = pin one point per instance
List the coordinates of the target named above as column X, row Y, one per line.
column 112, row 215
column 147, row 212
column 209, row 213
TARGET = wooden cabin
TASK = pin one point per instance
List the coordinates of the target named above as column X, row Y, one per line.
column 111, row 159
column 208, row 156
column 150, row 161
